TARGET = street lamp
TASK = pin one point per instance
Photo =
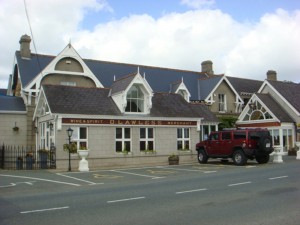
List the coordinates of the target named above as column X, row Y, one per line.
column 69, row 132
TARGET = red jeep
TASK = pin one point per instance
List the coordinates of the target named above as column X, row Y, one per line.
column 238, row 144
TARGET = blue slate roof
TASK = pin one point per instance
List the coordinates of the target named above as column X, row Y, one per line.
column 11, row 103
column 160, row 79
column 207, row 85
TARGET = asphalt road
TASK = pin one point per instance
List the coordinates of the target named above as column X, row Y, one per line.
column 186, row 194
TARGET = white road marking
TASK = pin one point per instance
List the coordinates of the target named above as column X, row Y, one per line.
column 183, row 192
column 126, row 199
column 248, row 182
column 274, row 178
column 136, row 174
column 92, row 183
column 33, row 178
column 209, row 171
column 10, row 185
column 43, row 210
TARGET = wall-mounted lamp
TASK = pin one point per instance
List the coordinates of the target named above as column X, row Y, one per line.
column 36, row 130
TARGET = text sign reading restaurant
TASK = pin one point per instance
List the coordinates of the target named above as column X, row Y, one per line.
column 130, row 122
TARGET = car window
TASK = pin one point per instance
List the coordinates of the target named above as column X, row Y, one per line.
column 226, row 136
column 214, row 136
column 253, row 135
column 239, row 135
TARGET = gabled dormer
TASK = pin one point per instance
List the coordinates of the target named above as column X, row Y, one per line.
column 181, row 89
column 67, row 68
column 132, row 94
column 218, row 92
column 42, row 108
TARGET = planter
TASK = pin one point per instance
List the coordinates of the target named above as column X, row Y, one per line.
column 277, row 154
column 173, row 160
column 83, row 163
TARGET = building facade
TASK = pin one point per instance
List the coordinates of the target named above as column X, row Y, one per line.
column 120, row 112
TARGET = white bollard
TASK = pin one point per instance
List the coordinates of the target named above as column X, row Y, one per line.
column 298, row 152
column 277, row 154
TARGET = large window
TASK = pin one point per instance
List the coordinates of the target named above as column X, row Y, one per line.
column 222, row 103
column 183, row 138
column 146, row 139
column 123, row 139
column 80, row 137
column 135, row 100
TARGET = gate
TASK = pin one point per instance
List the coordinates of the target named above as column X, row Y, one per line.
column 27, row 158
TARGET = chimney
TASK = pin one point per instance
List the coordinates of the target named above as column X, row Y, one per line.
column 25, row 46
column 207, row 67
column 271, row 75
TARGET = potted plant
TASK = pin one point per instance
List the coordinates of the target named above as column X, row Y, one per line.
column 173, row 159
column 16, row 129
column 72, row 147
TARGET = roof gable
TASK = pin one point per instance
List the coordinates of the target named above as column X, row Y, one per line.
column 50, row 68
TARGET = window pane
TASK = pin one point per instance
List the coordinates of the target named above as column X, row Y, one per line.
column 150, row 145
column 186, row 145
column 143, row 133
column 75, row 135
column 179, row 145
column 150, row 132
column 179, row 133
column 118, row 146
column 118, row 133
column 127, row 133
column 83, row 133
column 127, row 146
column 186, row 133
column 142, row 145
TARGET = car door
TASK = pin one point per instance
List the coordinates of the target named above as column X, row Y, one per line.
column 226, row 143
column 213, row 144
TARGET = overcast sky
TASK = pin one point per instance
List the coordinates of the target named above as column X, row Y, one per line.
column 242, row 38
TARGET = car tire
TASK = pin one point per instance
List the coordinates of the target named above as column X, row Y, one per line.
column 202, row 156
column 261, row 159
column 239, row 158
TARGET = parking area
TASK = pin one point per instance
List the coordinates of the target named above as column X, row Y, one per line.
column 46, row 179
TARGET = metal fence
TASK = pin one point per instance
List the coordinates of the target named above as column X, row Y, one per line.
column 26, row 158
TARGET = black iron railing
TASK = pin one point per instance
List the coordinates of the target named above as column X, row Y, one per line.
column 26, row 158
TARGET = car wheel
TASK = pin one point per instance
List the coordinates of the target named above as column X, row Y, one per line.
column 262, row 158
column 239, row 158
column 202, row 156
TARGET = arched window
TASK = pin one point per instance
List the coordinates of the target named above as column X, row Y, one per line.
column 257, row 112
column 135, row 100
